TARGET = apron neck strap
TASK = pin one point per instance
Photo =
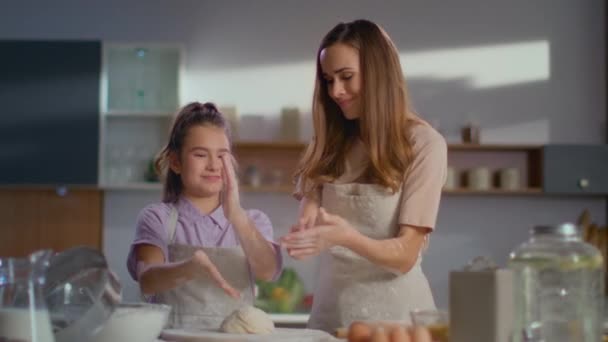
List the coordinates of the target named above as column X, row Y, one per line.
column 172, row 224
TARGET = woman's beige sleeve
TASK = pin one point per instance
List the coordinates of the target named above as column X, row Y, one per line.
column 424, row 181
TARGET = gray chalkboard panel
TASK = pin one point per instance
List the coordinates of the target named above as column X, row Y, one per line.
column 575, row 169
column 49, row 112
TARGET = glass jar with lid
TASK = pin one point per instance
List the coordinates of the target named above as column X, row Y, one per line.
column 559, row 287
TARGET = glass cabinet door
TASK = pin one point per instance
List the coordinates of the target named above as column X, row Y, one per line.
column 142, row 79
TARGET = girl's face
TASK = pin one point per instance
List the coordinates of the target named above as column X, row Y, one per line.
column 199, row 164
column 341, row 71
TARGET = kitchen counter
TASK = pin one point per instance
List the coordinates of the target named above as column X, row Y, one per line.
column 295, row 320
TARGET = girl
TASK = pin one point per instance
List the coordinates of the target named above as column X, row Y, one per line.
column 369, row 184
column 199, row 250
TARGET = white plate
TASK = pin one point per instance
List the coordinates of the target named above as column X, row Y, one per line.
column 280, row 334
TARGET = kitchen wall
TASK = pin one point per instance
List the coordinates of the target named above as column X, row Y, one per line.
column 524, row 71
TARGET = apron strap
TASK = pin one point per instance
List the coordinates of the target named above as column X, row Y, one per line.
column 171, row 225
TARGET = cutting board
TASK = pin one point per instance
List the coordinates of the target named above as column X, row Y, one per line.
column 280, row 334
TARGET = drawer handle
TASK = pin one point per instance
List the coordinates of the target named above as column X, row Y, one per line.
column 61, row 191
column 583, row 183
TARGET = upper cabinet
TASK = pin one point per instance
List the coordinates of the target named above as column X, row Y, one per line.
column 139, row 95
column 575, row 169
column 140, row 78
column 49, row 127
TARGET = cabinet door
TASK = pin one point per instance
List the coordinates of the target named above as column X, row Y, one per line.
column 49, row 126
column 575, row 169
column 142, row 79
column 33, row 219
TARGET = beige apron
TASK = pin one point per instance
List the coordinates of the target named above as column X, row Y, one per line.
column 350, row 287
column 201, row 303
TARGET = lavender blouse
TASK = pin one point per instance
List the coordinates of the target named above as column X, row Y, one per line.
column 193, row 228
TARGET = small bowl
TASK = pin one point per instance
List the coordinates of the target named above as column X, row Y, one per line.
column 134, row 322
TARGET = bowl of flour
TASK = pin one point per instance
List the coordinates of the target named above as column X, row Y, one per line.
column 134, row 322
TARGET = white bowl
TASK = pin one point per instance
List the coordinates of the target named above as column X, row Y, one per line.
column 134, row 322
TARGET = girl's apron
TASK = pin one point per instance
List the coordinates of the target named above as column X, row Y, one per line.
column 201, row 303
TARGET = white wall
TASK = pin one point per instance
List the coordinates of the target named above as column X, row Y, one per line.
column 545, row 83
column 525, row 71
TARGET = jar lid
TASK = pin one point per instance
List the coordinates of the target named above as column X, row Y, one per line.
column 563, row 229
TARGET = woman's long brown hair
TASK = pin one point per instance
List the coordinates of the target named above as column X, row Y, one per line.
column 384, row 122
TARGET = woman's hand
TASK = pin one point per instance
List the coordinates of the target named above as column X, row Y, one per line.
column 308, row 215
column 309, row 210
column 331, row 230
column 231, row 201
column 201, row 263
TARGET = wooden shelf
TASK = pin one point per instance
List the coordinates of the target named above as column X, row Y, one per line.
column 133, row 186
column 523, row 191
column 267, row 188
column 463, row 191
column 288, row 189
column 493, row 147
column 454, row 147
column 269, row 156
column 136, row 114
column 158, row 187
column 269, row 145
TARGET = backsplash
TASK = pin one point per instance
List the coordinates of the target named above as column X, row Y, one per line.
column 467, row 226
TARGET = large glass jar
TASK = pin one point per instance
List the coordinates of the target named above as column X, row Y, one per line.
column 559, row 285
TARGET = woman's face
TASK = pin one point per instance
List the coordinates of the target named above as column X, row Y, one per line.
column 341, row 71
column 199, row 165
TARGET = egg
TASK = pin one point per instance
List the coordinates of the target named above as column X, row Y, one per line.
column 379, row 335
column 421, row 334
column 398, row 334
column 359, row 332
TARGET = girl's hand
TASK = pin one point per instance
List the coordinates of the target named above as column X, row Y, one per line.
column 202, row 264
column 331, row 230
column 231, row 201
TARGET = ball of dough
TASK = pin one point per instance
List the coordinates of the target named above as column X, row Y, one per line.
column 247, row 320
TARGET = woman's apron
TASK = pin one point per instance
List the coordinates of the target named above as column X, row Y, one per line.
column 350, row 287
column 201, row 303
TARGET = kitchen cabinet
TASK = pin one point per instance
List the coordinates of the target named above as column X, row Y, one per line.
column 575, row 169
column 46, row 217
column 49, row 139
column 140, row 87
column 49, row 127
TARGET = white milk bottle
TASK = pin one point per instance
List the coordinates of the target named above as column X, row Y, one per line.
column 23, row 313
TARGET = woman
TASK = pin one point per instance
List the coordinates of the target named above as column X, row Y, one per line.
column 369, row 184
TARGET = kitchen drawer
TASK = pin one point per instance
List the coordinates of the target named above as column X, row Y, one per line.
column 575, row 169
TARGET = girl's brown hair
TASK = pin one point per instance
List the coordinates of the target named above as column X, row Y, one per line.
column 192, row 114
column 383, row 125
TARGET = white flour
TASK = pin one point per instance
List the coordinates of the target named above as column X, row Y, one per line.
column 133, row 324
column 21, row 325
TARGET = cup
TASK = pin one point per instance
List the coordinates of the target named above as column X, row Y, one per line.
column 479, row 178
column 509, row 178
column 470, row 134
column 435, row 321
column 451, row 180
